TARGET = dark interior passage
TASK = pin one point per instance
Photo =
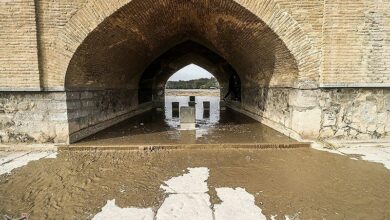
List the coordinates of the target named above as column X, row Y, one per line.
column 153, row 81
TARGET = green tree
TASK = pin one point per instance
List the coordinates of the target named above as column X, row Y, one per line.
column 202, row 83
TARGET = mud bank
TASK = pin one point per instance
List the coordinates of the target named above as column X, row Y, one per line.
column 302, row 182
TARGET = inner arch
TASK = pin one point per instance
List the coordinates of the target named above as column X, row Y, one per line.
column 190, row 72
column 154, row 78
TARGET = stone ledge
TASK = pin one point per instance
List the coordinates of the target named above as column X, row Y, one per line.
column 188, row 146
column 363, row 143
column 28, row 147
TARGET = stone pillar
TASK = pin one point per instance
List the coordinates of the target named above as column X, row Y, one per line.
column 187, row 118
column 306, row 113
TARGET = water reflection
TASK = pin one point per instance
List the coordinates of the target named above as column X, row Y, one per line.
column 206, row 114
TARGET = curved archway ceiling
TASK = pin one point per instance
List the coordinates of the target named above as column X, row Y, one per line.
column 118, row 51
column 181, row 55
column 154, row 78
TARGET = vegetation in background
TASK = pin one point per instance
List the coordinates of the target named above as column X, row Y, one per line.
column 203, row 83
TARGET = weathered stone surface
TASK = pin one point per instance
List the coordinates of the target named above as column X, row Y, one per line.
column 307, row 122
column 187, row 118
column 33, row 118
column 187, row 114
column 355, row 114
column 88, row 108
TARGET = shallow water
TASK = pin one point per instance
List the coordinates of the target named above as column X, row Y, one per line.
column 301, row 182
column 151, row 129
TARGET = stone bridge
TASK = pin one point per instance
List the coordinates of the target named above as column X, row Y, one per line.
column 311, row 69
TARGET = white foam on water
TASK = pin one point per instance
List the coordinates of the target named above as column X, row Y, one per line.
column 52, row 155
column 190, row 206
column 192, row 182
column 11, row 156
column 188, row 199
column 237, row 204
column 375, row 154
column 12, row 162
column 372, row 154
column 113, row 212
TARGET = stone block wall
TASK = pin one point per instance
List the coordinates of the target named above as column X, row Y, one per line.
column 280, row 108
column 347, row 114
column 93, row 110
column 355, row 114
column 33, row 117
column 270, row 103
column 63, row 117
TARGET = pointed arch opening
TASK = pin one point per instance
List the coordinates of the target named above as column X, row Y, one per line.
column 121, row 67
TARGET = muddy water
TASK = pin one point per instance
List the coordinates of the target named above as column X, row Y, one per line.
column 302, row 182
column 151, row 128
column 155, row 128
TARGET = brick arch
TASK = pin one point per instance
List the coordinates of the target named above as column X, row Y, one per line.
column 160, row 83
column 196, row 60
column 189, row 52
column 278, row 20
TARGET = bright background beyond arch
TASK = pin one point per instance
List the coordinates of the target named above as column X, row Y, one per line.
column 189, row 72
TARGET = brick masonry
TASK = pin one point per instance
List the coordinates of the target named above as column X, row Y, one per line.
column 325, row 60
column 19, row 68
